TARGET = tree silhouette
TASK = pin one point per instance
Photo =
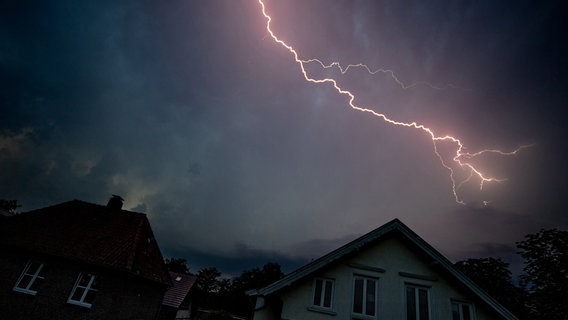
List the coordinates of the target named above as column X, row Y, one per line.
column 546, row 273
column 223, row 294
column 238, row 301
column 257, row 278
column 207, row 281
column 208, row 289
column 9, row 206
column 493, row 276
column 178, row 265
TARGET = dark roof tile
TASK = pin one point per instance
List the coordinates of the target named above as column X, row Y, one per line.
column 91, row 233
column 175, row 295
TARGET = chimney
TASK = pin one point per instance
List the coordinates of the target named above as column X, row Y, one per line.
column 115, row 202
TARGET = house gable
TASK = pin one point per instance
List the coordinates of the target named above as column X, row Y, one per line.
column 79, row 260
column 393, row 259
column 98, row 235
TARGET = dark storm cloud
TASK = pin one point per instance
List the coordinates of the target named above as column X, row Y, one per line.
column 233, row 266
column 190, row 112
column 483, row 224
column 491, row 233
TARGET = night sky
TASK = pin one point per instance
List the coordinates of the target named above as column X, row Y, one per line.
column 193, row 114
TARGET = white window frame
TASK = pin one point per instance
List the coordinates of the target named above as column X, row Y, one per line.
column 35, row 274
column 417, row 289
column 364, row 315
column 86, row 289
column 325, row 282
column 460, row 305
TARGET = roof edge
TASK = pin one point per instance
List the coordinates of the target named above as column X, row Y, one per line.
column 328, row 258
column 374, row 235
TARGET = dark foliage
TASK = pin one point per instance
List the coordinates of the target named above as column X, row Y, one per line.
column 543, row 285
column 239, row 302
column 9, row 206
column 216, row 293
column 546, row 273
column 178, row 265
column 493, row 276
column 208, row 280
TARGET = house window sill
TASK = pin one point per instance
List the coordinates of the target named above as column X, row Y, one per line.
column 322, row 310
column 362, row 317
column 80, row 304
column 30, row 292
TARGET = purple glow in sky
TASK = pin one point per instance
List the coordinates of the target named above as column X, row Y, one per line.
column 460, row 163
column 192, row 113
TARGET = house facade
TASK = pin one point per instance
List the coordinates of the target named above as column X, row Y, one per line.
column 78, row 260
column 389, row 273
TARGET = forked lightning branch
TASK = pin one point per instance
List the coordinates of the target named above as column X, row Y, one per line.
column 457, row 159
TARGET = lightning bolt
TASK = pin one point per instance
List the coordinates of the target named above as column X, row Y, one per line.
column 460, row 159
column 391, row 73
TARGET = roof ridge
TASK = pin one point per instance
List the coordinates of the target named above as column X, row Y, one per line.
column 331, row 256
column 374, row 235
column 90, row 233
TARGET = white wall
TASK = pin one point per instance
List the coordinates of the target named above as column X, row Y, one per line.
column 394, row 257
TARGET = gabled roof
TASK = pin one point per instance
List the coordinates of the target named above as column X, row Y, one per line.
column 393, row 227
column 97, row 235
column 175, row 295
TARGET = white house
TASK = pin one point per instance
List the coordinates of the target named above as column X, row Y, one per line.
column 389, row 273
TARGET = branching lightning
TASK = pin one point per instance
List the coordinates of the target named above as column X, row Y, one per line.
column 459, row 159
column 391, row 73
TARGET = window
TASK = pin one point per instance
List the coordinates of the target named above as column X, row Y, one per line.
column 364, row 297
column 323, row 293
column 462, row 311
column 84, row 291
column 417, row 303
column 30, row 278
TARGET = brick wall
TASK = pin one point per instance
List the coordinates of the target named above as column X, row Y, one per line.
column 120, row 295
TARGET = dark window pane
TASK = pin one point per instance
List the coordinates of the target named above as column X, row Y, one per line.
column 466, row 312
column 317, row 292
column 327, row 296
column 358, row 296
column 84, row 281
column 35, row 284
column 410, row 304
column 370, row 303
column 77, row 294
column 90, row 296
column 455, row 311
column 25, row 281
column 423, row 304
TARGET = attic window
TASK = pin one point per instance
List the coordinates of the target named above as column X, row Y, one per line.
column 417, row 302
column 30, row 278
column 84, row 291
column 462, row 311
column 178, row 278
column 364, row 297
column 323, row 293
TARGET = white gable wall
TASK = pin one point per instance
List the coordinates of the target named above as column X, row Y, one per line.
column 392, row 256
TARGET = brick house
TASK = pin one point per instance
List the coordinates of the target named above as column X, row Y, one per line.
column 78, row 260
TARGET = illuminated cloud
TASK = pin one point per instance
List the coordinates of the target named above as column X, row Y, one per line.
column 194, row 115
